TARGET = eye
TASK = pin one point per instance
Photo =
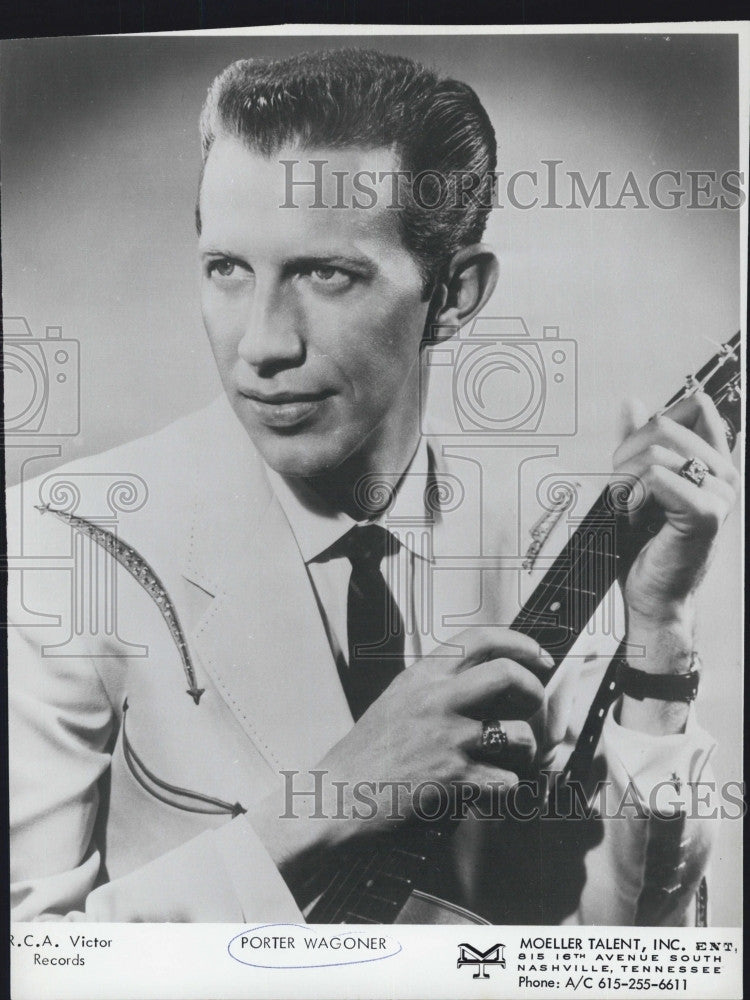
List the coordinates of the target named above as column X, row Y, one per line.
column 225, row 270
column 330, row 276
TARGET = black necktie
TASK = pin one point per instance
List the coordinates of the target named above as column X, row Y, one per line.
column 374, row 624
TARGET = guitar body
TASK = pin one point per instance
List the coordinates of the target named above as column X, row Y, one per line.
column 559, row 597
column 422, row 908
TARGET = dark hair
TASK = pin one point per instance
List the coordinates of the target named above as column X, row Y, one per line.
column 360, row 97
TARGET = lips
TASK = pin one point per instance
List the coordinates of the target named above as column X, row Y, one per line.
column 274, row 398
column 284, row 409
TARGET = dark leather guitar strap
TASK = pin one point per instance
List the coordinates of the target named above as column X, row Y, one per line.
column 578, row 767
column 580, row 760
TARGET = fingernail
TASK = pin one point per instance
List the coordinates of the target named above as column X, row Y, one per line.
column 547, row 659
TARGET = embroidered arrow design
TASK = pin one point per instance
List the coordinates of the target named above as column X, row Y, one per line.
column 141, row 571
column 172, row 795
column 542, row 529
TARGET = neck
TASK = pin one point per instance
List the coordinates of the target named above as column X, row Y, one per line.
column 353, row 487
column 383, row 457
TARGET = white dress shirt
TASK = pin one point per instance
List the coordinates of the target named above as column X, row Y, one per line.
column 670, row 764
column 272, row 698
column 317, row 528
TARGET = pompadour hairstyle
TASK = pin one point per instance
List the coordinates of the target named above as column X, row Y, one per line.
column 361, row 97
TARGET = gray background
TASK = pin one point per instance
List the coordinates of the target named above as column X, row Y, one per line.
column 100, row 160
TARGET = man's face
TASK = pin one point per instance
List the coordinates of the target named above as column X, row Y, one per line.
column 315, row 316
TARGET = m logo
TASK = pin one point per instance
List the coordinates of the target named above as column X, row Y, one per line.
column 469, row 955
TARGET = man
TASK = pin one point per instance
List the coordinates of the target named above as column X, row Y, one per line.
column 131, row 801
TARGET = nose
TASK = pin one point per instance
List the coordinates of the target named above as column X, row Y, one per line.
column 273, row 337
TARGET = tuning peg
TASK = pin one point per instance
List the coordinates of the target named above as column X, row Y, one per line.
column 725, row 350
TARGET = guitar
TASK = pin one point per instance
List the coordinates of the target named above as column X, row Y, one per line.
column 379, row 886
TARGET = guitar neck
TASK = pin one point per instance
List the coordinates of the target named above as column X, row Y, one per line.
column 572, row 589
column 567, row 598
column 375, row 884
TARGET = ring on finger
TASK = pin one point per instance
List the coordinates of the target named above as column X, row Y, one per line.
column 695, row 471
column 493, row 738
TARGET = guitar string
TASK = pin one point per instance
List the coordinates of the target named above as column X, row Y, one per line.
column 382, row 855
column 337, row 906
column 719, row 395
column 331, row 906
column 575, row 570
column 531, row 608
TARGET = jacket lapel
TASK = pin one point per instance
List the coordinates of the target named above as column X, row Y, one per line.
column 260, row 637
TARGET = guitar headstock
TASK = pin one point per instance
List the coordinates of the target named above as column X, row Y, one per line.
column 720, row 378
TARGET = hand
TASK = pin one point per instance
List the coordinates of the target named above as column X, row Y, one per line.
column 662, row 582
column 425, row 727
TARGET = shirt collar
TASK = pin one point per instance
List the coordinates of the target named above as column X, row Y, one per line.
column 317, row 527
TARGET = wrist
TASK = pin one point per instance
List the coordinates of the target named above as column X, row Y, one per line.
column 663, row 655
column 653, row 610
column 639, row 684
column 662, row 646
column 296, row 842
column 657, row 718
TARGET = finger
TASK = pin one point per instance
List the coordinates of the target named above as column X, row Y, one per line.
column 693, row 511
column 698, row 412
column 491, row 779
column 633, row 414
column 489, row 643
column 520, row 748
column 657, row 455
column 487, row 686
column 667, row 433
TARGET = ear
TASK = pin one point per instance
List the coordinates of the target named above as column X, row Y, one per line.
column 470, row 281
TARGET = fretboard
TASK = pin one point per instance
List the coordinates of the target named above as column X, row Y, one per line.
column 568, row 596
column 372, row 886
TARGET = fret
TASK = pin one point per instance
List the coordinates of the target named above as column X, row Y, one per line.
column 379, row 884
column 362, row 875
column 350, row 888
column 397, row 878
column 410, row 854
column 338, row 892
column 379, row 899
column 379, row 909
column 585, row 554
column 570, row 592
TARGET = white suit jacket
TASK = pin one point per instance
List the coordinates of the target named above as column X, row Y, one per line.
column 129, row 802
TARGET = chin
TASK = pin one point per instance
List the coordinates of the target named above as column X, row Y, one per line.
column 303, row 459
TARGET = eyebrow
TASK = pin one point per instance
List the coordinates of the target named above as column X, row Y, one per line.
column 365, row 264
column 345, row 260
